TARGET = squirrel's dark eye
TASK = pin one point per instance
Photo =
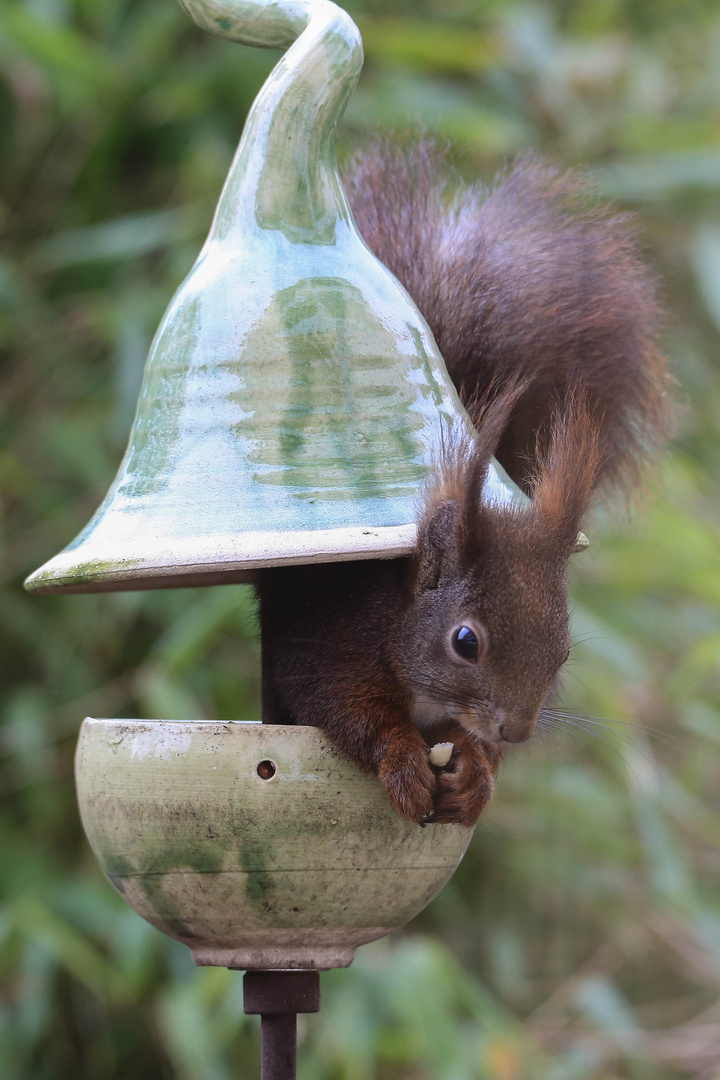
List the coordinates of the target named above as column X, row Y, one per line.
column 465, row 643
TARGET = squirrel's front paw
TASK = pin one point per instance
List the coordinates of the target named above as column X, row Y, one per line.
column 408, row 779
column 464, row 787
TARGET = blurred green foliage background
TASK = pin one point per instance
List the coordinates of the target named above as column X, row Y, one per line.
column 580, row 939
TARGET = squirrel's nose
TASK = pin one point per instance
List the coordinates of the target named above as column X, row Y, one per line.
column 501, row 723
column 515, row 730
column 513, row 735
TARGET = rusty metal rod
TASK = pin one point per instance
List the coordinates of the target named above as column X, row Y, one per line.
column 278, row 996
column 279, row 1046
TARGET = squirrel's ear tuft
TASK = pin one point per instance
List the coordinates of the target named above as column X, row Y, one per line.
column 490, row 419
column 437, row 543
column 452, row 523
column 567, row 472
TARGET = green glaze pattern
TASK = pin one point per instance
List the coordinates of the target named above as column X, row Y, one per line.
column 293, row 398
column 294, row 871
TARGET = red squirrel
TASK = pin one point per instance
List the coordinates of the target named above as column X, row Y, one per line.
column 546, row 319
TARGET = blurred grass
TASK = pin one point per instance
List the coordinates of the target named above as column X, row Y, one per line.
column 581, row 936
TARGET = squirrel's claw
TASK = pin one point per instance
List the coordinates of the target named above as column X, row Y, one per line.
column 464, row 788
column 408, row 778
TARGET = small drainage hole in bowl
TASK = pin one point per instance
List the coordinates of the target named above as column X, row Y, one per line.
column 266, row 770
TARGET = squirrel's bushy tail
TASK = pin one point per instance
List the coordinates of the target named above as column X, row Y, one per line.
column 528, row 280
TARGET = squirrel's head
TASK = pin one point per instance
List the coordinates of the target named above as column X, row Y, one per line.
column 486, row 630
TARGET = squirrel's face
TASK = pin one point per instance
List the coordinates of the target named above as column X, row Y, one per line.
column 482, row 641
column 485, row 632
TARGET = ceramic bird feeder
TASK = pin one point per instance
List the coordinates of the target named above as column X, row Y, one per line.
column 293, row 402
column 257, row 845
column 294, row 398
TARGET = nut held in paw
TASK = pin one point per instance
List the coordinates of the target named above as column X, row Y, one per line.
column 441, row 753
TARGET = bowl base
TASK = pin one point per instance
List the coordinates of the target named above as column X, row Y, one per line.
column 287, row 950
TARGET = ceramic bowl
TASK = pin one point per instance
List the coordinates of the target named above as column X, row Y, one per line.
column 257, row 845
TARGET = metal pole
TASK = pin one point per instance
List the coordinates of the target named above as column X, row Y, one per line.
column 278, row 996
column 271, row 710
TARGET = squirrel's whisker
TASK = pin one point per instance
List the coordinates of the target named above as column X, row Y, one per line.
column 610, row 724
column 572, row 728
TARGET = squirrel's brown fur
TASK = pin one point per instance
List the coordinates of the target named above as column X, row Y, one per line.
column 546, row 320
column 529, row 278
